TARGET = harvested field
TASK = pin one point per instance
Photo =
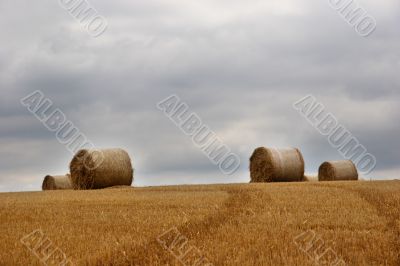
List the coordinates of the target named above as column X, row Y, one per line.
column 244, row 224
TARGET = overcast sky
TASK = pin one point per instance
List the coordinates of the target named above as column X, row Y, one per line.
column 239, row 65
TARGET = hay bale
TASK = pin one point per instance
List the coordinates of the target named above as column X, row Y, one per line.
column 94, row 169
column 120, row 187
column 310, row 177
column 337, row 170
column 57, row 182
column 276, row 165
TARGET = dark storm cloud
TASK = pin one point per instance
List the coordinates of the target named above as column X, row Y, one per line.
column 239, row 66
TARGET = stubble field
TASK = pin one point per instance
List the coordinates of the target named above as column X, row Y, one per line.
column 337, row 223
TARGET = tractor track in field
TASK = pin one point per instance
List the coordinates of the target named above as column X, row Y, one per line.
column 375, row 199
column 237, row 207
column 235, row 211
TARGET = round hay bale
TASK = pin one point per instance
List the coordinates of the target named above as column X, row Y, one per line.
column 337, row 170
column 276, row 165
column 57, row 182
column 120, row 187
column 310, row 178
column 95, row 169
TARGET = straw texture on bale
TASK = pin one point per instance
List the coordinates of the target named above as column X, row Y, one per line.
column 337, row 170
column 94, row 169
column 57, row 182
column 276, row 165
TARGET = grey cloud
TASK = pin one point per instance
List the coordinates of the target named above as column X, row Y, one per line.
column 239, row 66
